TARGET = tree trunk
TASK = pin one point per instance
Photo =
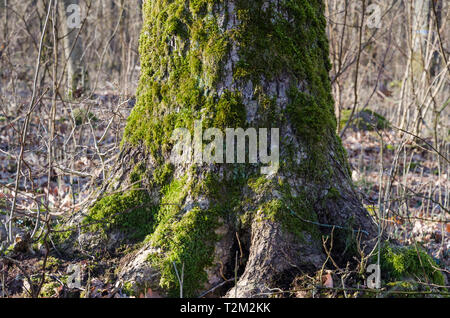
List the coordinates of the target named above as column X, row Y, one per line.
column 229, row 64
column 421, row 25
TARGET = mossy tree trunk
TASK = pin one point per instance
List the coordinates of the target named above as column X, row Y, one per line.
column 235, row 63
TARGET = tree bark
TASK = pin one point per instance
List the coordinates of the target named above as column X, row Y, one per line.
column 238, row 63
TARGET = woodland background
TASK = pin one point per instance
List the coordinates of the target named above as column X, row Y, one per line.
column 390, row 80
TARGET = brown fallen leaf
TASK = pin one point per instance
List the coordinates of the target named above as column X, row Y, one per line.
column 327, row 280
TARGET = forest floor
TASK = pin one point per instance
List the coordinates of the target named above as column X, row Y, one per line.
column 90, row 131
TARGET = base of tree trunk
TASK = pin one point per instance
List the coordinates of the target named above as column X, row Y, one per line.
column 233, row 64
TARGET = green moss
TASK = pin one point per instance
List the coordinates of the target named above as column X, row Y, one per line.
column 401, row 263
column 312, row 121
column 50, row 290
column 129, row 289
column 260, row 184
column 187, row 238
column 188, row 242
column 372, row 209
column 131, row 212
column 51, row 264
column 61, row 234
column 333, row 193
column 137, row 173
column 175, row 192
column 177, row 81
column 276, row 210
column 295, row 213
column 275, row 48
column 230, row 112
column 342, row 156
column 364, row 120
column 177, row 84
column 271, row 46
column 270, row 49
column 400, row 288
column 163, row 173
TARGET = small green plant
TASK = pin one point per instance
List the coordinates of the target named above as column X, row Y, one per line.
column 403, row 263
column 366, row 119
column 50, row 290
column 51, row 264
column 82, row 116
